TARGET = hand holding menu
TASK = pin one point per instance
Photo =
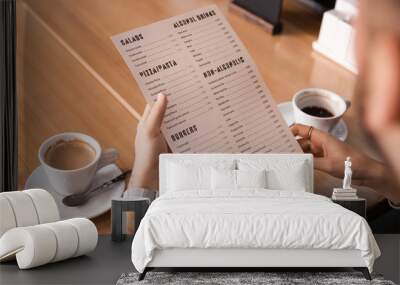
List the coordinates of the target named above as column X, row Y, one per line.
column 217, row 100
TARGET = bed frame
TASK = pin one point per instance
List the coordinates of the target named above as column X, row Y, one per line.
column 245, row 258
column 249, row 259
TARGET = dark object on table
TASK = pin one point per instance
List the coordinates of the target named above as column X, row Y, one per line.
column 326, row 4
column 358, row 206
column 118, row 206
column 265, row 13
column 319, row 5
column 8, row 98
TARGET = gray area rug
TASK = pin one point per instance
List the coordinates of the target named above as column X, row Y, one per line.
column 269, row 278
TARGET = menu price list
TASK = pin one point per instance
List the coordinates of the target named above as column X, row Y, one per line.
column 217, row 100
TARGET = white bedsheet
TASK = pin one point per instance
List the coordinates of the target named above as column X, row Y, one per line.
column 250, row 218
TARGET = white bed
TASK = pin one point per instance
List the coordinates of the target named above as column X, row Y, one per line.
column 198, row 226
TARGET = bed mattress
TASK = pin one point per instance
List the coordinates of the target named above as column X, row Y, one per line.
column 251, row 219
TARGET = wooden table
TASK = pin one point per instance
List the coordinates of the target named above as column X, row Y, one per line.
column 71, row 78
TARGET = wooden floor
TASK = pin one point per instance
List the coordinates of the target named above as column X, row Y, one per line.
column 71, row 78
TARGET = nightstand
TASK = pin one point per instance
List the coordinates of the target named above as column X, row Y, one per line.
column 358, row 206
column 118, row 206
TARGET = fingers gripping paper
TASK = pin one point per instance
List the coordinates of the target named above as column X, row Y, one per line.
column 217, row 100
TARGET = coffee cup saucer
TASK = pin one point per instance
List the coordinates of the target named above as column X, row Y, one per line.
column 340, row 131
column 98, row 204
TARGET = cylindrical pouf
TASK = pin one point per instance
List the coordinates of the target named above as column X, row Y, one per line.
column 37, row 245
column 7, row 218
column 23, row 208
column 34, row 245
column 45, row 205
column 67, row 239
column 87, row 234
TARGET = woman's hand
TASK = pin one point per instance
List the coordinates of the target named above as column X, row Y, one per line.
column 149, row 144
column 330, row 154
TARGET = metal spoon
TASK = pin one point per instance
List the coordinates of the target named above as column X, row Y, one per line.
column 81, row 198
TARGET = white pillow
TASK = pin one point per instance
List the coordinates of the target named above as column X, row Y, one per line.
column 236, row 179
column 282, row 174
column 251, row 178
column 186, row 174
column 182, row 178
column 223, row 179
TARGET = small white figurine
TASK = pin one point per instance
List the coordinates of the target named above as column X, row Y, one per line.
column 346, row 192
column 347, row 174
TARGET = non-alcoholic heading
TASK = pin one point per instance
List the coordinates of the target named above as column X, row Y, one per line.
column 223, row 67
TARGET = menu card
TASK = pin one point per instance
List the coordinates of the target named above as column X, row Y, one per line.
column 217, row 100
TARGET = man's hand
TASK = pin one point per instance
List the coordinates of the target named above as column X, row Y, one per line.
column 149, row 144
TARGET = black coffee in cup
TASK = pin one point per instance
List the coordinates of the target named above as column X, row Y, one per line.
column 317, row 111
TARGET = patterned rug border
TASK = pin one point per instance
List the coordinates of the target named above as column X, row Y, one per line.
column 268, row 278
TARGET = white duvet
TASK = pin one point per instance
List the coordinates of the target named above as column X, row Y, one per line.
column 250, row 219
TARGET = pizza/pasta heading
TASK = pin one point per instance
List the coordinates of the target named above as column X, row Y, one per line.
column 159, row 67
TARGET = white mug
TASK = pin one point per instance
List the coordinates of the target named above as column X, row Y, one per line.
column 326, row 99
column 67, row 182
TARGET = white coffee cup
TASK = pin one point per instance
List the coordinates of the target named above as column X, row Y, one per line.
column 322, row 98
column 67, row 182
